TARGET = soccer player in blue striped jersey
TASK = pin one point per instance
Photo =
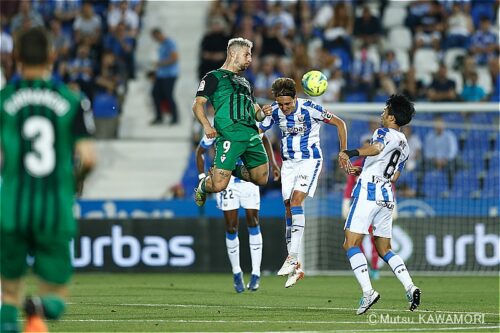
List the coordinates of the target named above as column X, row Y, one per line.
column 299, row 120
column 373, row 200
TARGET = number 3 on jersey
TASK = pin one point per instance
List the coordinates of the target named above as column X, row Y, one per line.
column 41, row 160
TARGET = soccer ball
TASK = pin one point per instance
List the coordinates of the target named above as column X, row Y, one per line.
column 314, row 83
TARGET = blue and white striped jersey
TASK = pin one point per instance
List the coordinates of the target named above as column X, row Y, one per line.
column 299, row 130
column 379, row 169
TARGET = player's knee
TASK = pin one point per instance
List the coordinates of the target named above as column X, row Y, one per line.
column 262, row 181
column 219, row 186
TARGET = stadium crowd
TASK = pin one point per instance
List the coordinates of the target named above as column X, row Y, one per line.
column 435, row 51
column 94, row 43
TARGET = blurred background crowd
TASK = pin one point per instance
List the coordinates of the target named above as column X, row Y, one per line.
column 94, row 44
column 432, row 51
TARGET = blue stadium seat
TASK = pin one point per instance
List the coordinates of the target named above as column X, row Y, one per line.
column 356, row 97
column 435, row 183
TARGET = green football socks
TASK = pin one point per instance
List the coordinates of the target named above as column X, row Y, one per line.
column 8, row 319
column 53, row 306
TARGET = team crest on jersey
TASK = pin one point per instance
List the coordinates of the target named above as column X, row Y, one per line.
column 201, row 87
column 300, row 117
column 223, row 158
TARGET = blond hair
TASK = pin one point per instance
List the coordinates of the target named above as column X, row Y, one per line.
column 239, row 42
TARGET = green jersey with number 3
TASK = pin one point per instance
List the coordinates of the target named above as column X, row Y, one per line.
column 40, row 121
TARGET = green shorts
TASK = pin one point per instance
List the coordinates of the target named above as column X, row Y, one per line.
column 52, row 256
column 228, row 149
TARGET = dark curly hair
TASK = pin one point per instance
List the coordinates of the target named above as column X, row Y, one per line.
column 401, row 108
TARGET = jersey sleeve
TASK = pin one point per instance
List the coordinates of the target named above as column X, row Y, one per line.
column 206, row 142
column 401, row 165
column 207, row 86
column 83, row 123
column 318, row 112
column 269, row 121
column 380, row 135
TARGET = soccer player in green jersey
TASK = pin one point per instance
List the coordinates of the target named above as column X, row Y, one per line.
column 235, row 130
column 43, row 124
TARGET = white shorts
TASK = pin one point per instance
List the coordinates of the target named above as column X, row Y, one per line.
column 364, row 213
column 238, row 194
column 300, row 175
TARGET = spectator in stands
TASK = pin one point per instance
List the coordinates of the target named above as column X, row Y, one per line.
column 27, row 17
column 123, row 46
column 264, row 79
column 390, row 74
column 277, row 15
column 494, row 72
column 274, row 43
column 123, row 14
column 136, row 5
column 106, row 115
column 471, row 91
column 61, row 40
column 363, row 75
column 440, row 153
column 484, row 43
column 460, row 27
column 430, row 27
column 66, row 11
column 442, row 88
column 246, row 29
column 367, row 28
column 6, row 48
column 412, row 87
column 213, row 46
column 335, row 85
column 415, row 144
column 339, row 29
column 81, row 70
column 87, row 24
column 167, row 71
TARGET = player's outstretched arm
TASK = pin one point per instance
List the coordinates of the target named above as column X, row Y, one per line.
column 259, row 113
column 199, row 112
column 342, row 133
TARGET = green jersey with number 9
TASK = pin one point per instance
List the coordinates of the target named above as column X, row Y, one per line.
column 40, row 121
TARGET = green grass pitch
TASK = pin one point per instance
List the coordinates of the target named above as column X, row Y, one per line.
column 208, row 303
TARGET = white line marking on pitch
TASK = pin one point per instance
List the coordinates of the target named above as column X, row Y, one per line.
column 288, row 322
column 279, row 307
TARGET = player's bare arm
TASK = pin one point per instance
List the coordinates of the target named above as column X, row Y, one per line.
column 395, row 178
column 267, row 109
column 199, row 112
column 86, row 152
column 342, row 134
column 200, row 161
column 259, row 113
column 270, row 154
column 371, row 150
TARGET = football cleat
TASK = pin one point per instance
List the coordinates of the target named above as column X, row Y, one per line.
column 367, row 301
column 199, row 196
column 35, row 324
column 297, row 275
column 254, row 283
column 33, row 309
column 413, row 296
column 239, row 284
column 289, row 266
